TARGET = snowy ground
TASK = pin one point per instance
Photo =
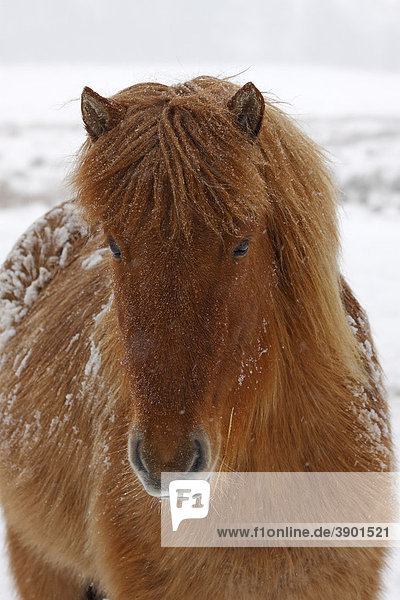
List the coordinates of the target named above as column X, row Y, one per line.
column 353, row 114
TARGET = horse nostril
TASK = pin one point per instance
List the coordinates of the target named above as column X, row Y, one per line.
column 136, row 455
column 200, row 460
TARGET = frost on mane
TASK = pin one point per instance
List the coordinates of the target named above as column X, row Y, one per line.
column 94, row 259
column 34, row 260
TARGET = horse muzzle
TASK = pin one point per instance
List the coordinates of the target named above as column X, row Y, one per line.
column 179, row 458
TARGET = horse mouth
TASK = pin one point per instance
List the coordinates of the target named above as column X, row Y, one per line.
column 161, row 491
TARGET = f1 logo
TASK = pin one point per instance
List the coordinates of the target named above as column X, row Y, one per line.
column 189, row 499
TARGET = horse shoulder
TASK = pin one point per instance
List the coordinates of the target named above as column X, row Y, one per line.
column 54, row 292
column 369, row 403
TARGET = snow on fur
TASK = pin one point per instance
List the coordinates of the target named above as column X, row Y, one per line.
column 33, row 261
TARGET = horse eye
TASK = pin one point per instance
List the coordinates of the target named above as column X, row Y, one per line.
column 241, row 249
column 114, row 249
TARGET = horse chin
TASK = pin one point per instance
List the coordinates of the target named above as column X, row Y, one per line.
column 156, row 492
column 154, row 488
column 151, row 484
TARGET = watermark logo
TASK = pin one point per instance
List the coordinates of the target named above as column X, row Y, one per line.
column 189, row 499
column 299, row 509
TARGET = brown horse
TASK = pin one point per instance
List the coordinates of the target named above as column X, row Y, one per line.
column 218, row 307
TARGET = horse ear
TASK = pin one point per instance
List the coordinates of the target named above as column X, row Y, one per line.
column 248, row 107
column 99, row 114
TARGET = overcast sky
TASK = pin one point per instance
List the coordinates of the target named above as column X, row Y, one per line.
column 356, row 33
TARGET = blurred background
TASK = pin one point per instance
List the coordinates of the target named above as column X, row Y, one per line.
column 335, row 64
